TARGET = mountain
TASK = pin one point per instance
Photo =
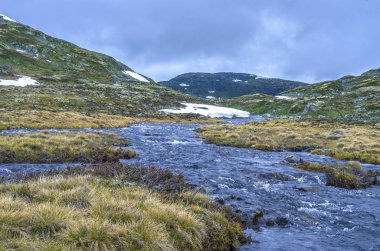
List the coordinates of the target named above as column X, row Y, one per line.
column 228, row 85
column 39, row 72
column 348, row 98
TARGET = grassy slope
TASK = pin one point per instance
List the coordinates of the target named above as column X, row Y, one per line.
column 225, row 84
column 334, row 139
column 92, row 209
column 346, row 99
column 72, row 79
column 62, row 147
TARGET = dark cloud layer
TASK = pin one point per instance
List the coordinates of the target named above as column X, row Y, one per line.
column 295, row 39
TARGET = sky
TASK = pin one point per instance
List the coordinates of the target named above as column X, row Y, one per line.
column 304, row 40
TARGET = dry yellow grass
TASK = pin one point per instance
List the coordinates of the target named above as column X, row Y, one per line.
column 66, row 120
column 60, row 120
column 91, row 213
column 350, row 175
column 341, row 141
column 62, row 147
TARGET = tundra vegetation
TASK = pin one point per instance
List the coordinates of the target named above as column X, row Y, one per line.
column 76, row 88
column 340, row 141
column 67, row 147
column 112, row 207
column 350, row 176
column 351, row 99
column 75, row 120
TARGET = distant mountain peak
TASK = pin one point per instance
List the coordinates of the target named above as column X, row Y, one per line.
column 228, row 84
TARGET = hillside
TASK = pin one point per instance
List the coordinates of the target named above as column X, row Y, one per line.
column 42, row 73
column 348, row 98
column 228, row 84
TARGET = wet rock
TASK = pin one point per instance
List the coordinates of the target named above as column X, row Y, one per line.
column 270, row 223
column 308, row 188
column 282, row 221
column 275, row 176
column 234, row 197
column 293, row 160
column 195, row 166
column 220, row 201
column 290, row 159
column 257, row 216
column 372, row 178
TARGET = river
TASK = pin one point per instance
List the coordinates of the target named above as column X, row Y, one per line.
column 327, row 219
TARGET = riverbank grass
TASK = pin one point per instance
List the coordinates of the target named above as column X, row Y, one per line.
column 100, row 212
column 64, row 147
column 340, row 141
column 350, row 175
column 75, row 120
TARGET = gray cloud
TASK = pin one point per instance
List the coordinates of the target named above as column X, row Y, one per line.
column 294, row 39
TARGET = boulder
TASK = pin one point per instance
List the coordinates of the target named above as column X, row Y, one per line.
column 282, row 221
column 257, row 216
column 308, row 188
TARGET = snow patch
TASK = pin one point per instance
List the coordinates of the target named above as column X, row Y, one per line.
column 7, row 18
column 284, row 97
column 136, row 76
column 184, row 85
column 237, row 80
column 209, row 110
column 210, row 97
column 211, row 91
column 261, row 77
column 21, row 51
column 21, row 82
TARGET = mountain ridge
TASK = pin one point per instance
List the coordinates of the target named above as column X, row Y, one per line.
column 227, row 84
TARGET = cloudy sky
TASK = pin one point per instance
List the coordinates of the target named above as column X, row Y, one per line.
column 304, row 40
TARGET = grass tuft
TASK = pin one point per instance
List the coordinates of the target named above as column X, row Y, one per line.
column 350, row 176
column 106, row 216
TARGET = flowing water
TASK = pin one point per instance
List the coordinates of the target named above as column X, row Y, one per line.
column 326, row 219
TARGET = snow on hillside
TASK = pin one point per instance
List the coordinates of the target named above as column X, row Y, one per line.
column 21, row 82
column 184, row 85
column 261, row 77
column 7, row 18
column 136, row 76
column 209, row 110
column 284, row 97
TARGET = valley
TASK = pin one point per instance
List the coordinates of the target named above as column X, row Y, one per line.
column 109, row 159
